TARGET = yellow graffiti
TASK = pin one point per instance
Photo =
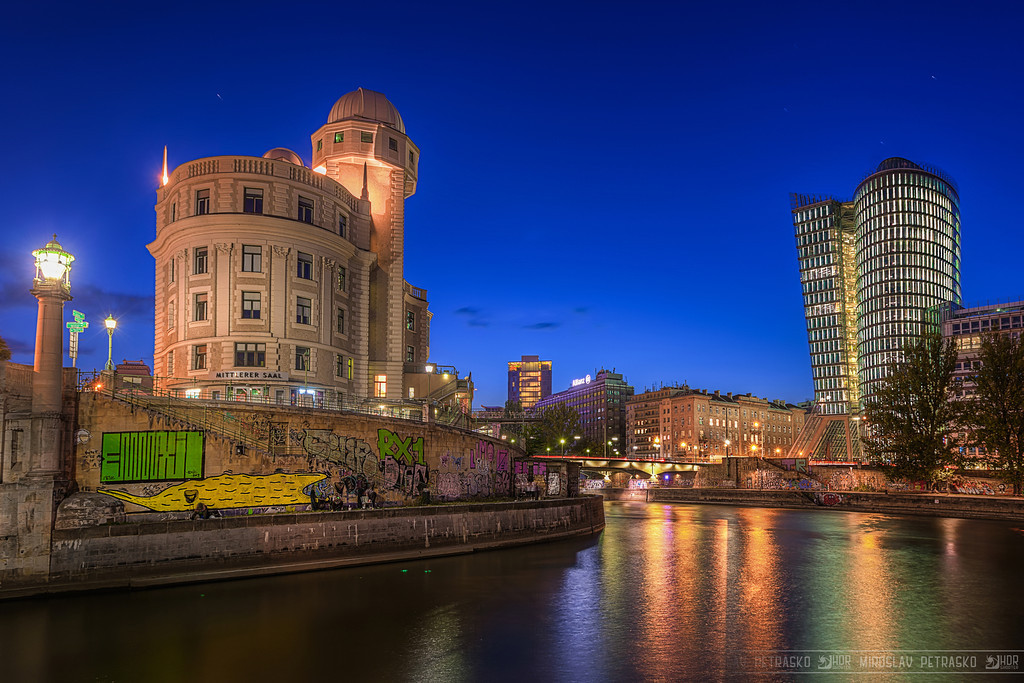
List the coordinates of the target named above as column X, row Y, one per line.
column 227, row 491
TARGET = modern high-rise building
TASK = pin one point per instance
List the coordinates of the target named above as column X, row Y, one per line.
column 279, row 282
column 873, row 272
column 601, row 403
column 529, row 380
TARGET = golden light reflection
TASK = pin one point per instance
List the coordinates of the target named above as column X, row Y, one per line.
column 869, row 585
column 760, row 583
column 165, row 177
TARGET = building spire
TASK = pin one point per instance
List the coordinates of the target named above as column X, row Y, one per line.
column 165, row 179
column 366, row 192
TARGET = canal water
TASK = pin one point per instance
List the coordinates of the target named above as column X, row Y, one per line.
column 666, row 592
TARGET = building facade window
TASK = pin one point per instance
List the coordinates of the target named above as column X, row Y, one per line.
column 199, row 307
column 170, row 362
column 410, row 320
column 380, row 386
column 303, row 310
column 202, row 202
column 250, row 355
column 251, row 305
column 253, row 202
column 200, row 261
column 412, row 157
column 252, row 258
column 366, row 137
column 351, row 364
column 302, row 358
column 170, row 270
column 199, row 357
column 341, row 321
column 342, row 225
column 305, row 210
column 410, row 354
column 170, row 315
column 174, row 211
column 319, row 144
column 339, row 137
column 339, row 365
column 392, row 144
column 341, row 277
column 305, row 266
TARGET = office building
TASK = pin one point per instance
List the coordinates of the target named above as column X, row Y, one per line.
column 871, row 269
column 529, row 380
column 600, row 401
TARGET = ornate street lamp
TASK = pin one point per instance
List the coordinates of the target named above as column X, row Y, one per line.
column 111, row 325
column 51, row 287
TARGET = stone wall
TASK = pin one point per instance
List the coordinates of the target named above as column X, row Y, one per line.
column 183, row 550
column 252, row 458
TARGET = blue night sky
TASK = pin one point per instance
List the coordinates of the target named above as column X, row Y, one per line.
column 600, row 184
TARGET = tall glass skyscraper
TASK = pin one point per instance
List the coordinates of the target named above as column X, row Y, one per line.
column 908, row 259
column 870, row 270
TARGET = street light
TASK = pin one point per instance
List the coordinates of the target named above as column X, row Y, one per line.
column 727, row 442
column 562, row 441
column 111, row 326
column 52, row 288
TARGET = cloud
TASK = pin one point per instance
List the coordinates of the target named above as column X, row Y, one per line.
column 476, row 317
column 541, row 326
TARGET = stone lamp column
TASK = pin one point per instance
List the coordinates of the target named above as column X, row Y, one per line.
column 52, row 287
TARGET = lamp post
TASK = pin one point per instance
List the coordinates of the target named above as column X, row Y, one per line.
column 562, row 441
column 727, row 442
column 51, row 287
column 111, row 325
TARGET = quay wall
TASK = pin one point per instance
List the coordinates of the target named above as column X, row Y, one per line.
column 182, row 551
column 929, row 504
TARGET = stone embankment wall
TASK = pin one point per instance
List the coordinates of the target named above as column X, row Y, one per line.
column 930, row 504
column 126, row 555
column 261, row 458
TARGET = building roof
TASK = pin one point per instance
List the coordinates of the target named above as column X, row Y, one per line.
column 369, row 105
column 283, row 154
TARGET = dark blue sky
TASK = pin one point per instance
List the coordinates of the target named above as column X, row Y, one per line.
column 602, row 184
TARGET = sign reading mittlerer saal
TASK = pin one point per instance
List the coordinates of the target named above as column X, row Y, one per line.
column 151, row 456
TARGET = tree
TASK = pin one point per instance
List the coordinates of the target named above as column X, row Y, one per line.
column 557, row 422
column 5, row 350
column 913, row 417
column 995, row 414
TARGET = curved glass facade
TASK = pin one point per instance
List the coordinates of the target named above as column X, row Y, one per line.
column 908, row 260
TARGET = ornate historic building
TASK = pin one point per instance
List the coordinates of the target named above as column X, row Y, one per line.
column 284, row 283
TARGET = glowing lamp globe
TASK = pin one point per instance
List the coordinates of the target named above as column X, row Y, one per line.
column 110, row 322
column 53, row 264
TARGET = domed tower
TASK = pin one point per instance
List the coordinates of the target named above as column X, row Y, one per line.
column 908, row 259
column 364, row 147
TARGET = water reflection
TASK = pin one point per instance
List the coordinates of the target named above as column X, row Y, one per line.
column 665, row 593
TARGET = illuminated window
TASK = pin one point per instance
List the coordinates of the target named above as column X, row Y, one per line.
column 410, row 354
column 410, row 320
column 305, row 266
column 339, row 137
column 380, row 386
column 366, row 137
column 253, row 202
column 392, row 144
column 341, row 278
column 202, row 202
column 319, row 144
column 251, row 305
column 351, row 367
column 305, row 210
column 341, row 321
column 199, row 307
column 199, row 357
column 302, row 358
column 199, row 260
column 252, row 259
column 250, row 355
column 303, row 310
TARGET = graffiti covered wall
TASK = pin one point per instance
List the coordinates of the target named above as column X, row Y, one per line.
column 303, row 459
